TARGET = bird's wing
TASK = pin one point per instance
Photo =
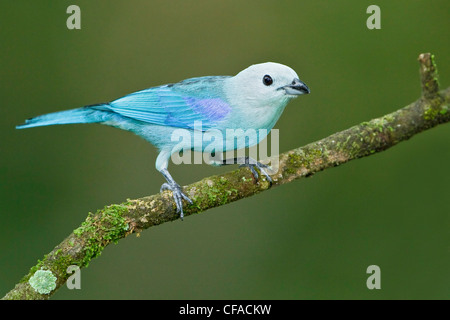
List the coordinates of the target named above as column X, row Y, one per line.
column 178, row 105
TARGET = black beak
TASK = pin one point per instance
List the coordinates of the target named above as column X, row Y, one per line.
column 296, row 88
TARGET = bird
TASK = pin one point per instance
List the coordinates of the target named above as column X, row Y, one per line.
column 253, row 99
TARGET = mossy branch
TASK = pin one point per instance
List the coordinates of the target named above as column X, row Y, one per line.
column 115, row 222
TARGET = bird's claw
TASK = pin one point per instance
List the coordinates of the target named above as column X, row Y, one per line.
column 261, row 168
column 178, row 196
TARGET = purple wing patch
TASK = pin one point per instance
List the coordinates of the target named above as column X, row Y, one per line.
column 214, row 109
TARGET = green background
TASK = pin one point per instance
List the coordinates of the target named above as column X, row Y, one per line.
column 310, row 239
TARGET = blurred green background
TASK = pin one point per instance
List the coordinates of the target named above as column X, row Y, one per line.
column 310, row 239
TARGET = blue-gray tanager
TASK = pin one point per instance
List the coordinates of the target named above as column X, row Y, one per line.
column 253, row 99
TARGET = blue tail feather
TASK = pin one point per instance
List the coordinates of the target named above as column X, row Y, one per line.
column 80, row 115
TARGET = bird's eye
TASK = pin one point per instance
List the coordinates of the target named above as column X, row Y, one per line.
column 267, row 80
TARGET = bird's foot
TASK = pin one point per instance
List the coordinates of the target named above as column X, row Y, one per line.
column 178, row 196
column 261, row 167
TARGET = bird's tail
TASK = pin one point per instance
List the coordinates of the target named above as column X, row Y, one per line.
column 89, row 114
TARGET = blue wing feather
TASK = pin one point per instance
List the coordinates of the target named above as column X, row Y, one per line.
column 177, row 105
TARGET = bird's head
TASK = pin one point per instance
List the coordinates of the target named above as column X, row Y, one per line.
column 268, row 83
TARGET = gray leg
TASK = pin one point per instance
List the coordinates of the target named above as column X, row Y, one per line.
column 251, row 164
column 177, row 191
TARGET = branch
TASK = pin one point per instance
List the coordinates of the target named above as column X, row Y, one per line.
column 428, row 75
column 115, row 222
